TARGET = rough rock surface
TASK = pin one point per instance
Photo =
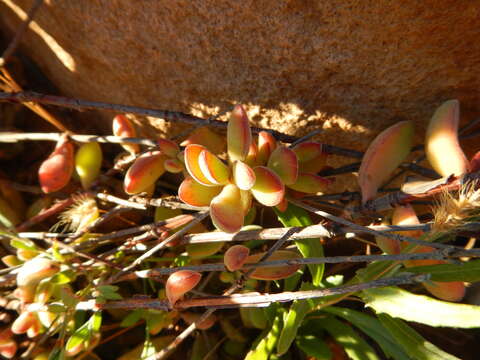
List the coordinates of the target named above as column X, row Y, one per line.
column 352, row 67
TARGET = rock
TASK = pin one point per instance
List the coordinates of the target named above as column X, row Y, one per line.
column 351, row 67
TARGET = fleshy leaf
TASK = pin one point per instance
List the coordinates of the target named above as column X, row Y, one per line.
column 55, row 172
column 191, row 156
column 239, row 136
column 199, row 251
column 88, row 161
column 252, row 156
column 235, row 257
column 246, row 200
column 266, row 145
column 268, row 189
column 284, row 162
column 146, row 169
column 173, row 165
column 274, row 273
column 310, row 183
column 196, row 194
column 179, row 283
column 168, row 147
column 243, row 175
column 122, row 126
column 441, row 141
column 383, row 156
column 206, row 137
column 213, row 168
column 226, row 209
column 311, row 158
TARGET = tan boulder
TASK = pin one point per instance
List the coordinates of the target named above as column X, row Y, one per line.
column 350, row 67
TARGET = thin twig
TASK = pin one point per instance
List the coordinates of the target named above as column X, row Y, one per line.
column 413, row 192
column 139, row 203
column 368, row 230
column 434, row 255
column 172, row 116
column 198, row 218
column 10, row 137
column 306, row 137
column 246, row 299
column 19, row 34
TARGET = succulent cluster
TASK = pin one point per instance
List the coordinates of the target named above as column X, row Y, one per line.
column 264, row 170
column 446, row 157
column 229, row 177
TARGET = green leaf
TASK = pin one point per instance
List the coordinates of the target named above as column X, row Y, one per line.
column 95, row 321
column 132, row 318
column 24, row 244
column 314, row 346
column 109, row 292
column 293, row 320
column 422, row 309
column 56, row 308
column 372, row 327
column 355, row 346
column 412, row 342
column 84, row 333
column 295, row 216
column 63, row 277
column 81, row 335
column 265, row 343
column 466, row 271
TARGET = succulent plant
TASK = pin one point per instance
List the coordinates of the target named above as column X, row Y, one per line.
column 122, row 126
column 235, row 257
column 260, row 171
column 55, row 172
column 383, row 156
column 179, row 283
column 88, row 161
column 441, row 141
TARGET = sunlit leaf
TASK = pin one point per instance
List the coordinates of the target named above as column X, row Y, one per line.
column 310, row 183
column 383, row 156
column 191, row 157
column 196, row 194
column 422, row 309
column 213, row 168
column 265, row 344
column 284, row 162
column 311, row 158
column 239, row 136
column 243, row 175
column 226, row 209
column 294, row 319
column 268, row 189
